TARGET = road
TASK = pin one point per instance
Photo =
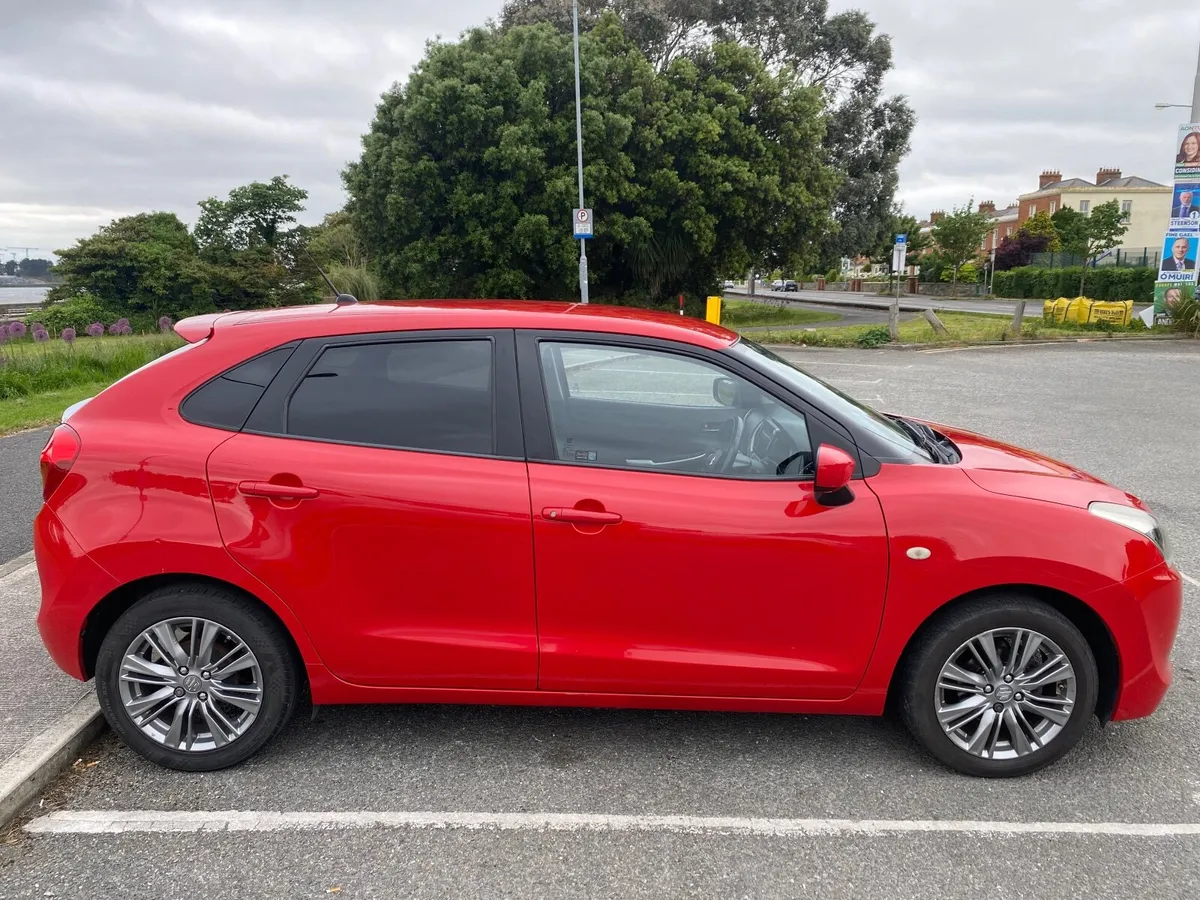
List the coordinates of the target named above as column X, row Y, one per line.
column 845, row 300
column 1116, row 411
column 21, row 494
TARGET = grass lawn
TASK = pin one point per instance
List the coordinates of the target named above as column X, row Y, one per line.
column 23, row 413
column 963, row 327
column 38, row 381
column 747, row 314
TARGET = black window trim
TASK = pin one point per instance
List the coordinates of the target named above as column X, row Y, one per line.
column 535, row 404
column 182, row 408
column 507, row 439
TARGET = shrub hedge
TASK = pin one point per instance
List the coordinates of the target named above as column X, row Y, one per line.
column 1104, row 283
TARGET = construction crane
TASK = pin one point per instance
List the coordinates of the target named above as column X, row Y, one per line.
column 26, row 249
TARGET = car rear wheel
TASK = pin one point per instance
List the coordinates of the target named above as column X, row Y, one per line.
column 196, row 678
column 999, row 687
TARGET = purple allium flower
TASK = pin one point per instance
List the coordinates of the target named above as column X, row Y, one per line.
column 122, row 321
column 37, row 326
column 164, row 323
column 114, row 328
column 41, row 336
column 68, row 335
column 95, row 329
column 126, row 329
column 16, row 329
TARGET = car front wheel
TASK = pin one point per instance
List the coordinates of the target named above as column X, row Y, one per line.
column 196, row 678
column 999, row 687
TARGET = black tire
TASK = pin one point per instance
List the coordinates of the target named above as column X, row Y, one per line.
column 264, row 636
column 918, row 678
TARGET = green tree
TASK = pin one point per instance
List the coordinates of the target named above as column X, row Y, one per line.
column 1071, row 227
column 1102, row 230
column 34, row 268
column 467, row 177
column 867, row 133
column 146, row 265
column 337, row 248
column 10, row 267
column 960, row 235
column 255, row 246
column 1041, row 225
column 900, row 223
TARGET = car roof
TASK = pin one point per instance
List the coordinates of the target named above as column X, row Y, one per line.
column 429, row 315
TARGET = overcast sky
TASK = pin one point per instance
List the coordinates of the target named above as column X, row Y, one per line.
column 111, row 107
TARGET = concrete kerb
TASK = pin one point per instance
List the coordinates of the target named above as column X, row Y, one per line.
column 35, row 765
column 41, row 760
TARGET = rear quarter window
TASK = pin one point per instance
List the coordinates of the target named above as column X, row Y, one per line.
column 227, row 400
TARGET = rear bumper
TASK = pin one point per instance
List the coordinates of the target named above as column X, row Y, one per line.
column 1150, row 605
column 72, row 584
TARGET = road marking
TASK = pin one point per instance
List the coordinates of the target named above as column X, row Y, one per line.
column 148, row 821
column 1190, row 580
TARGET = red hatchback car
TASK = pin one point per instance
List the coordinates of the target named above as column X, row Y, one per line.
column 515, row 503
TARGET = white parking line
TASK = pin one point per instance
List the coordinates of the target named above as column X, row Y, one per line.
column 1189, row 579
column 151, row 821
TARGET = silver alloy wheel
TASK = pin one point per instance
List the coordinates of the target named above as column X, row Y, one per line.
column 1005, row 694
column 191, row 684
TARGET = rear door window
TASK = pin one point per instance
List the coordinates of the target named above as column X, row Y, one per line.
column 435, row 395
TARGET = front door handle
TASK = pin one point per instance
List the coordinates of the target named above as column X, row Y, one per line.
column 581, row 516
column 277, row 491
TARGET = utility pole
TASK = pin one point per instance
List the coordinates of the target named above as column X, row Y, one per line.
column 583, row 268
column 1196, row 95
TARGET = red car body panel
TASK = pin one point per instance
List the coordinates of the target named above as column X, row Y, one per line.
column 419, row 577
column 708, row 586
column 417, row 568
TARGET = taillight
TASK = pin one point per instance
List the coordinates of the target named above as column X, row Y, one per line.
column 58, row 456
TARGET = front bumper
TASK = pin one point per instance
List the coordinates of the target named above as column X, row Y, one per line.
column 1143, row 615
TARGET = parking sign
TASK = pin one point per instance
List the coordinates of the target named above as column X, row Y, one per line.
column 582, row 218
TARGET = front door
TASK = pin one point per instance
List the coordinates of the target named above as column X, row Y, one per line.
column 679, row 547
column 391, row 512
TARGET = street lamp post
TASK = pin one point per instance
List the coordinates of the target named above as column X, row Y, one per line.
column 1195, row 98
column 583, row 269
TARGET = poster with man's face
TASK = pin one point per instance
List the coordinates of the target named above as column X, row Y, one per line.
column 1179, row 258
column 1185, row 208
column 1167, row 297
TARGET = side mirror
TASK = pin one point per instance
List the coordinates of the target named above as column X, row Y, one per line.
column 726, row 392
column 835, row 468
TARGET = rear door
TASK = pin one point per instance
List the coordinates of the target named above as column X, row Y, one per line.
column 379, row 487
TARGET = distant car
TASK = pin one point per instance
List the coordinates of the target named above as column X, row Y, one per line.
column 564, row 505
column 791, row 286
column 777, row 285
column 728, row 285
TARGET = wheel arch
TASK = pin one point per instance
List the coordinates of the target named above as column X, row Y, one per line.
column 1080, row 614
column 109, row 609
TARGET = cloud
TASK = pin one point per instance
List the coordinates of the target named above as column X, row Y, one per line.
column 156, row 104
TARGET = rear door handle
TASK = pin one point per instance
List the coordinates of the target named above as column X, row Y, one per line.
column 581, row 516
column 277, row 491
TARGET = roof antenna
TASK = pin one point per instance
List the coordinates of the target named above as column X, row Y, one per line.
column 341, row 299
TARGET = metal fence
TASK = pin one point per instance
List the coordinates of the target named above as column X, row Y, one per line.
column 1125, row 257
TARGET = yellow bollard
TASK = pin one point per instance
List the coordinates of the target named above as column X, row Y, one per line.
column 713, row 312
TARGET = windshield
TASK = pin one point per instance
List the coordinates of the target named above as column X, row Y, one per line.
column 837, row 404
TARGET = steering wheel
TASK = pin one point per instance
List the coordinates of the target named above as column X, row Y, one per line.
column 732, row 431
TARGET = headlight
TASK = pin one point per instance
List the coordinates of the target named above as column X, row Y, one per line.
column 1141, row 522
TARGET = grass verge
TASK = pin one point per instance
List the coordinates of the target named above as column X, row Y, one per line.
column 38, row 381
column 737, row 314
column 962, row 328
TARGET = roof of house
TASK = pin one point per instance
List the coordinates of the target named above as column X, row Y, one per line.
column 1130, row 181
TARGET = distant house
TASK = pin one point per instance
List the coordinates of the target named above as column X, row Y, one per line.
column 1146, row 204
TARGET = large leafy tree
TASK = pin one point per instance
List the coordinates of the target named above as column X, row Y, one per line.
column 900, row 223
column 1089, row 236
column 147, row 264
column 840, row 55
column 960, row 234
column 467, row 177
column 252, row 239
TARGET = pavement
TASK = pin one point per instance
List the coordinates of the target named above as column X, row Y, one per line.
column 20, row 490
column 908, row 303
column 437, row 801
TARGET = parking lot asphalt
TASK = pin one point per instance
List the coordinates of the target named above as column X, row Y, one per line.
column 1128, row 413
column 21, row 494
